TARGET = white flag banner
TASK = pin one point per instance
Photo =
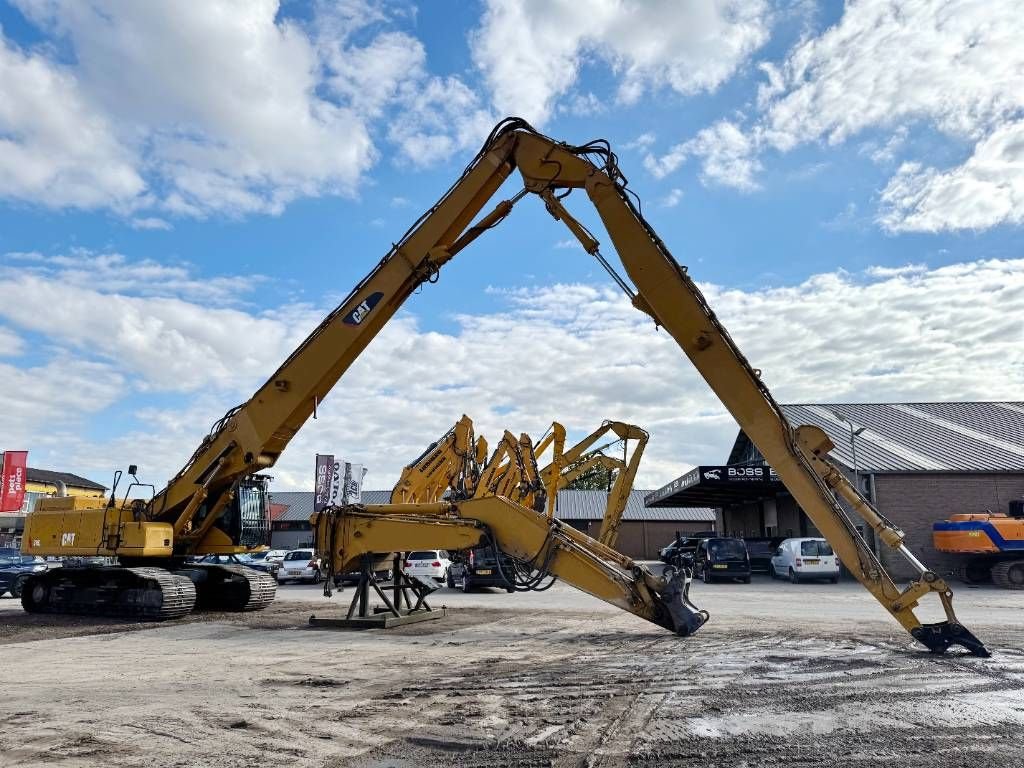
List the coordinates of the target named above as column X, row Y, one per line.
column 338, row 482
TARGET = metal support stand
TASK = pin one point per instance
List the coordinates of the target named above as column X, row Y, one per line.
column 399, row 609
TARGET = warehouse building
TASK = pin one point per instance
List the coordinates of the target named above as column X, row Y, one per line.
column 642, row 533
column 917, row 462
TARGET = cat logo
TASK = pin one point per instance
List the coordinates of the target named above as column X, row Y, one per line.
column 67, row 539
column 357, row 315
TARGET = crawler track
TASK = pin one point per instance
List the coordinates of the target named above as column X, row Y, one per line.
column 151, row 594
column 231, row 587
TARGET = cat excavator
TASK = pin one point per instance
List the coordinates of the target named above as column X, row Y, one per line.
column 195, row 513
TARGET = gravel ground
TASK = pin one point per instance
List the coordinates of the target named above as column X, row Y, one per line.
column 798, row 675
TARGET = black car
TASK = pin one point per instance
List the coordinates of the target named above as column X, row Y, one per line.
column 15, row 570
column 478, row 567
column 722, row 558
column 761, row 551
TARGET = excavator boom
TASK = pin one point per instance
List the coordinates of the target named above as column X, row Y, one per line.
column 252, row 436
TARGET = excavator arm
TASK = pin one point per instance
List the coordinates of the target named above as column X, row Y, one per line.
column 252, row 436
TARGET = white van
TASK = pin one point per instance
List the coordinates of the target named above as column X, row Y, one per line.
column 799, row 559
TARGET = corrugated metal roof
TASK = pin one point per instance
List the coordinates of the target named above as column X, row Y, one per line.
column 918, row 437
column 572, row 505
column 589, row 505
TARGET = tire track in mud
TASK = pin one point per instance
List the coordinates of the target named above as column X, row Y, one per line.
column 631, row 702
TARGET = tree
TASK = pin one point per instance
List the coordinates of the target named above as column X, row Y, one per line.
column 594, row 479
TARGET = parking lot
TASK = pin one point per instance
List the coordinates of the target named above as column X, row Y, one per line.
column 809, row 674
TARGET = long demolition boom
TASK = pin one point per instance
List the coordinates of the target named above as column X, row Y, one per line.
column 252, row 436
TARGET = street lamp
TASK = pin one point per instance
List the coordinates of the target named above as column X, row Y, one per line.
column 854, row 432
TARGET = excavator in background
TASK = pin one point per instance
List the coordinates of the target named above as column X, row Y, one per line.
column 194, row 513
column 453, row 467
column 990, row 545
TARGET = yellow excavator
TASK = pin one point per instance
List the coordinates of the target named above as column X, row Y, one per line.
column 196, row 512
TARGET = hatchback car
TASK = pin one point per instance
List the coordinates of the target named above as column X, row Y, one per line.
column 428, row 563
column 478, row 567
column 299, row 565
column 799, row 559
column 722, row 558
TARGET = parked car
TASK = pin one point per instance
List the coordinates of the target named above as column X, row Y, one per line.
column 722, row 558
column 680, row 552
column 15, row 570
column 761, row 551
column 275, row 555
column 428, row 563
column 243, row 559
column 478, row 567
column 299, row 565
column 259, row 561
column 383, row 570
column 799, row 559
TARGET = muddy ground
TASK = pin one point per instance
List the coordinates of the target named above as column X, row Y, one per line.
column 806, row 676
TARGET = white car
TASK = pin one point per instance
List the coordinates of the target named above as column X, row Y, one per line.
column 428, row 563
column 799, row 559
column 275, row 555
column 299, row 565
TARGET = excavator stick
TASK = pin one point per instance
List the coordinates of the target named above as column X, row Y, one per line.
column 543, row 549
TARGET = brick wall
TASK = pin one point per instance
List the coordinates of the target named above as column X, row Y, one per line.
column 915, row 501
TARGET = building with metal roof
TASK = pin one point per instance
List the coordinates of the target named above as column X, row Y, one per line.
column 912, row 437
column 642, row 533
column 918, row 462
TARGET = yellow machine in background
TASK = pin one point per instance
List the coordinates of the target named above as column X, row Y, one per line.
column 990, row 545
column 198, row 503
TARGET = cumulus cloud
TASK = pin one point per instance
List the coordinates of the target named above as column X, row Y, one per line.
column 531, row 51
column 988, row 189
column 227, row 108
column 889, row 334
column 729, row 157
column 887, row 69
column 55, row 147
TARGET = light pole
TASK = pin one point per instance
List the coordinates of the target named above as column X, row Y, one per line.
column 854, row 432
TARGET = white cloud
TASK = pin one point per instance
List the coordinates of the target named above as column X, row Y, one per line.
column 906, row 333
column 217, row 103
column 985, row 191
column 11, row 344
column 955, row 65
column 672, row 199
column 729, row 157
column 531, row 51
column 151, row 320
column 55, row 147
column 150, row 222
column 216, row 108
column 47, row 407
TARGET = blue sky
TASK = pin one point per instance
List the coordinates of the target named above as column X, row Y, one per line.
column 184, row 192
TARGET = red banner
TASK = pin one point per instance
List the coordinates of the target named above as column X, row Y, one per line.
column 12, row 483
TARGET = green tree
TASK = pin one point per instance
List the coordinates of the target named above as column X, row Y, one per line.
column 594, row 479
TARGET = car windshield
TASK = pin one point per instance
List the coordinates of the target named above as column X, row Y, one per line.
column 301, row 555
column 427, row 555
column 727, row 549
column 815, row 548
column 257, row 555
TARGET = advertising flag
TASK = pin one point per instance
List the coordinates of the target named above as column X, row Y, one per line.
column 338, row 482
column 12, row 483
